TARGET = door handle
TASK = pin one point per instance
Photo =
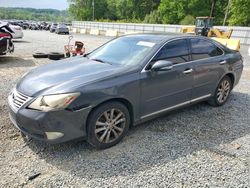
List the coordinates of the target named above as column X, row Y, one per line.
column 223, row 62
column 188, row 71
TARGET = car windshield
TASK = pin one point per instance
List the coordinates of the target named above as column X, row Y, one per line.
column 62, row 25
column 123, row 51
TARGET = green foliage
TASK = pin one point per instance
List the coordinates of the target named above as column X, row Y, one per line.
column 83, row 9
column 112, row 9
column 172, row 11
column 188, row 20
column 153, row 18
column 240, row 13
column 34, row 14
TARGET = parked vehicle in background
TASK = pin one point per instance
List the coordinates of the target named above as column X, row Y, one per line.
column 62, row 29
column 53, row 27
column 17, row 31
column 47, row 28
column 127, row 81
column 6, row 44
column 43, row 25
column 34, row 26
column 25, row 25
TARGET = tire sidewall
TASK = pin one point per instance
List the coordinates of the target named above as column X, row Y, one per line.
column 215, row 95
column 91, row 137
column 40, row 55
column 55, row 56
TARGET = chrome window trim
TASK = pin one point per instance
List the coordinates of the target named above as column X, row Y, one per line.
column 176, row 106
column 190, row 51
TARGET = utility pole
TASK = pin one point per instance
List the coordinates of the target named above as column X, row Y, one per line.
column 228, row 6
column 93, row 5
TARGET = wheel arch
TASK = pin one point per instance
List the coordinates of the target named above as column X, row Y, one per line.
column 124, row 101
column 231, row 76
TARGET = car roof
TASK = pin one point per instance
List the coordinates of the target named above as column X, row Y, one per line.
column 158, row 37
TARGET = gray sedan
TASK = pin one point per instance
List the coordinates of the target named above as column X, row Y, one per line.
column 62, row 29
column 127, row 81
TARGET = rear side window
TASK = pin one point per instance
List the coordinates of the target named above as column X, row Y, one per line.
column 202, row 49
column 175, row 51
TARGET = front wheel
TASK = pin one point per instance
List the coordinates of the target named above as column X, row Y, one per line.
column 108, row 124
column 222, row 92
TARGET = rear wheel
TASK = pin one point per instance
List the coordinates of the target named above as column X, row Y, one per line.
column 108, row 124
column 222, row 92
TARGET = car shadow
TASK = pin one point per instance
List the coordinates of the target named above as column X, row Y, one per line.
column 157, row 142
column 11, row 61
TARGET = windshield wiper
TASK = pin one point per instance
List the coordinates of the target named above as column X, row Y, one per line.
column 101, row 61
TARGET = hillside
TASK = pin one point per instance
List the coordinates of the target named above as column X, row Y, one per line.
column 34, row 14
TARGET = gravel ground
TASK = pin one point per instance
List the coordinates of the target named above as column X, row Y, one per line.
column 199, row 146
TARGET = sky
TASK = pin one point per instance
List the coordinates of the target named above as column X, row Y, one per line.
column 41, row 4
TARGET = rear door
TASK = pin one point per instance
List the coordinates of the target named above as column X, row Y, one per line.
column 208, row 61
column 166, row 89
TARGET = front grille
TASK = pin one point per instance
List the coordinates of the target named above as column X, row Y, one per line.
column 18, row 99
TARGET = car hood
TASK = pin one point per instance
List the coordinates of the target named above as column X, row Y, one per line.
column 68, row 73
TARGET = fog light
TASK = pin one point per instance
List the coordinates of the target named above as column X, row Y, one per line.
column 53, row 135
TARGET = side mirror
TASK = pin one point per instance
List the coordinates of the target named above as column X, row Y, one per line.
column 162, row 65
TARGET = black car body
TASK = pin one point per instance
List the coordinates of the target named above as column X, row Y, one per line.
column 125, row 82
column 6, row 44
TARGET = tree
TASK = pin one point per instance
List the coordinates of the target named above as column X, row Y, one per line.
column 172, row 11
column 240, row 14
column 213, row 8
column 83, row 9
column 153, row 18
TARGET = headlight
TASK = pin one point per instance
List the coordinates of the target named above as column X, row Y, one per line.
column 53, row 102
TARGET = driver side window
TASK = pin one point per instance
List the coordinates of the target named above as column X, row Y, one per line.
column 175, row 51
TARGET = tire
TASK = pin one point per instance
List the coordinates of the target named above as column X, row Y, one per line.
column 104, row 135
column 40, row 55
column 222, row 92
column 55, row 56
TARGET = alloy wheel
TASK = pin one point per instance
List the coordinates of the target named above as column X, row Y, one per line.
column 223, row 91
column 110, row 125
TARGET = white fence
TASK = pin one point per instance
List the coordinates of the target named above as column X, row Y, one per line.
column 242, row 33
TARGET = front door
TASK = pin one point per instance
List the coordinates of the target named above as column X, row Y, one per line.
column 163, row 90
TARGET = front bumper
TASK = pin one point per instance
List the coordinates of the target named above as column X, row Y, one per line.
column 37, row 124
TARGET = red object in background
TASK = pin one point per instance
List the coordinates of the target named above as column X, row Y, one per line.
column 5, row 35
column 77, row 49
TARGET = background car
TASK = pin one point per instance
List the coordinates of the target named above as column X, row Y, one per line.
column 125, row 82
column 17, row 31
column 53, row 27
column 62, row 29
column 6, row 44
column 34, row 26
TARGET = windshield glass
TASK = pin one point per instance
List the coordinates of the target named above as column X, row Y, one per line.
column 200, row 23
column 123, row 51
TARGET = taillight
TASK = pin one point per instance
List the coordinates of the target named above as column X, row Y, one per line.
column 4, row 35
